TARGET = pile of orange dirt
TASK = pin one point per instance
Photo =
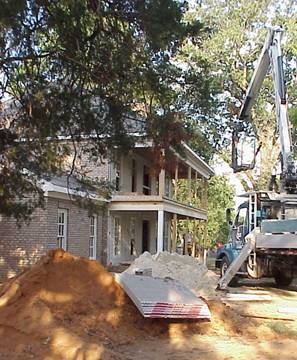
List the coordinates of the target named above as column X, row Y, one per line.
column 68, row 307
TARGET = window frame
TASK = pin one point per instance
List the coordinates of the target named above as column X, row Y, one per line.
column 62, row 239
column 93, row 237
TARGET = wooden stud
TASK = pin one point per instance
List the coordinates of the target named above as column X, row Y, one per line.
column 189, row 185
column 174, row 232
column 176, row 182
column 162, row 183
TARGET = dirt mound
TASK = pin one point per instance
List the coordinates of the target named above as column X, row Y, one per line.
column 68, row 307
column 65, row 306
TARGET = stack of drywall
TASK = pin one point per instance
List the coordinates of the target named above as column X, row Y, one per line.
column 166, row 298
column 189, row 271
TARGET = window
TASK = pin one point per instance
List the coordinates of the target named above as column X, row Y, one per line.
column 117, row 176
column 93, row 237
column 146, row 181
column 117, row 236
column 62, row 228
column 241, row 217
column 132, row 236
column 134, row 176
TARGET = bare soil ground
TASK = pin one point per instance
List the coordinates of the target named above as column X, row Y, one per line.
column 66, row 307
column 239, row 330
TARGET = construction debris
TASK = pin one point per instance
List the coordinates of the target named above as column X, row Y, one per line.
column 68, row 307
column 72, row 307
column 246, row 297
column 189, row 271
column 166, row 298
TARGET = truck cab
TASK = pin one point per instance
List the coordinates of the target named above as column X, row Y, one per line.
column 273, row 219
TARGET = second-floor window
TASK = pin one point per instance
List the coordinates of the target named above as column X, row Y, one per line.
column 117, row 176
column 134, row 176
column 146, row 181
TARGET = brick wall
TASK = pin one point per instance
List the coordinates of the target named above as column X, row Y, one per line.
column 22, row 246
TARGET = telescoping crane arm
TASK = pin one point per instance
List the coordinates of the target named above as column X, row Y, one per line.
column 272, row 55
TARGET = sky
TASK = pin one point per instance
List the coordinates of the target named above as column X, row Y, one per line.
column 222, row 168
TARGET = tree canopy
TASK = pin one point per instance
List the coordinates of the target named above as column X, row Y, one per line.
column 231, row 48
column 72, row 69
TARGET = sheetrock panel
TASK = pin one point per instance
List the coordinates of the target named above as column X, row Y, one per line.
column 276, row 241
column 156, row 297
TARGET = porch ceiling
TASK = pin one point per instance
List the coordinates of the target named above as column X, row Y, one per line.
column 155, row 203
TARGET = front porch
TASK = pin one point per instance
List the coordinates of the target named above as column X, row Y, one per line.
column 152, row 230
column 150, row 203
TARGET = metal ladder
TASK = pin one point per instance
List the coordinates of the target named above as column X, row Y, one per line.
column 252, row 212
column 237, row 262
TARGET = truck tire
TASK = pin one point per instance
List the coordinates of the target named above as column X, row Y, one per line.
column 282, row 280
column 224, row 266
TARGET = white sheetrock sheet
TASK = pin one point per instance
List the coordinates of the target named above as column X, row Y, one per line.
column 156, row 297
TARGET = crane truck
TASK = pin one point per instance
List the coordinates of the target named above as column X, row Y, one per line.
column 263, row 235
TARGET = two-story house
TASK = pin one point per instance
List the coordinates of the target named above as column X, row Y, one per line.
column 142, row 214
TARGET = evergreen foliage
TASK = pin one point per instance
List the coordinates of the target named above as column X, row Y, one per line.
column 78, row 68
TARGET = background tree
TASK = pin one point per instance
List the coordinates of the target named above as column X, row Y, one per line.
column 220, row 197
column 231, row 47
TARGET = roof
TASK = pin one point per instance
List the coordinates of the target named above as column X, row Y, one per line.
column 64, row 187
column 136, row 126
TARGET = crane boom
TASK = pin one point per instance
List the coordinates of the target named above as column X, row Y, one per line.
column 271, row 54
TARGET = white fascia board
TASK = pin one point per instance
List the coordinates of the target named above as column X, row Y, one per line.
column 202, row 166
column 49, row 188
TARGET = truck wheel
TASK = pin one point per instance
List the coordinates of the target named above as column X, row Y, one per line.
column 224, row 266
column 282, row 280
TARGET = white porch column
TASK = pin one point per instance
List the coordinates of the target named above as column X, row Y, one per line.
column 160, row 238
